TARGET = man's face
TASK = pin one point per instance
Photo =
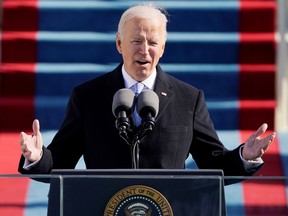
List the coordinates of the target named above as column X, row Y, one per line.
column 141, row 46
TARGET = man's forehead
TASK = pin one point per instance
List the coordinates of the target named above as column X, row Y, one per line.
column 145, row 25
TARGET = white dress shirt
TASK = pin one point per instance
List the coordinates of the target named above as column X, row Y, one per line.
column 149, row 83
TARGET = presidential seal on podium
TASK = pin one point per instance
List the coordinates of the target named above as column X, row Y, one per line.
column 138, row 200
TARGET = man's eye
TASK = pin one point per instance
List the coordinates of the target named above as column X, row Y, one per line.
column 136, row 41
column 153, row 43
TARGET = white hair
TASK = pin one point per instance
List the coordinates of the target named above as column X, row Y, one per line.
column 143, row 11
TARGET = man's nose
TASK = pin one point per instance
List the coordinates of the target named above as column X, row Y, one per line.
column 144, row 49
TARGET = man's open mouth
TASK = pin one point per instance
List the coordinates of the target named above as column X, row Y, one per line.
column 142, row 62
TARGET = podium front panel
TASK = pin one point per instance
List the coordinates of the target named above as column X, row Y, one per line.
column 129, row 192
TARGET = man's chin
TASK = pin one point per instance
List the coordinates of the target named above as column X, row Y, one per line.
column 142, row 74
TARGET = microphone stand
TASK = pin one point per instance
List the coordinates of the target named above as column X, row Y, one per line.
column 146, row 128
column 123, row 125
column 135, row 152
column 134, row 147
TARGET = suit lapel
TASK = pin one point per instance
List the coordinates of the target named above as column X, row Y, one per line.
column 163, row 88
column 115, row 82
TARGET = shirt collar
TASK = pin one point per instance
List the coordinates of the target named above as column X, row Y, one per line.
column 129, row 81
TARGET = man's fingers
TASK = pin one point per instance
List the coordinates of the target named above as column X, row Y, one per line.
column 270, row 138
column 36, row 127
column 261, row 130
column 22, row 138
column 267, row 141
column 37, row 134
column 27, row 153
column 23, row 147
column 31, row 145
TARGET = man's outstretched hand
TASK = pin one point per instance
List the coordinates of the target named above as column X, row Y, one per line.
column 255, row 146
column 31, row 145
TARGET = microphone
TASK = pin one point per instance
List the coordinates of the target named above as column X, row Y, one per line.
column 147, row 108
column 123, row 102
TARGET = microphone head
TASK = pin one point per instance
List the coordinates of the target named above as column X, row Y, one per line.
column 123, row 100
column 147, row 102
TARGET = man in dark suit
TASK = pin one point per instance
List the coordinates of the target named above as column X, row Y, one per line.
column 183, row 124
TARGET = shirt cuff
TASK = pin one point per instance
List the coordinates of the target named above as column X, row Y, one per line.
column 250, row 164
column 28, row 164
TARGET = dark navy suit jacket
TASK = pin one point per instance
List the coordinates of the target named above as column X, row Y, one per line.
column 183, row 126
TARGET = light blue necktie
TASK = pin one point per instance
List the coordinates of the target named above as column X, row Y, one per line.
column 137, row 88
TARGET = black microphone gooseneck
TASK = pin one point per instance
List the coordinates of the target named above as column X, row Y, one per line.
column 147, row 108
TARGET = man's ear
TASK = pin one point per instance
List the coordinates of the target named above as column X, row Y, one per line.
column 162, row 49
column 118, row 43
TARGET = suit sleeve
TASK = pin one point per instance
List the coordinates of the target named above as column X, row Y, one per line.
column 66, row 147
column 206, row 148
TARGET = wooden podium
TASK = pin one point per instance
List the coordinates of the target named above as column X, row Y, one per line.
column 137, row 193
